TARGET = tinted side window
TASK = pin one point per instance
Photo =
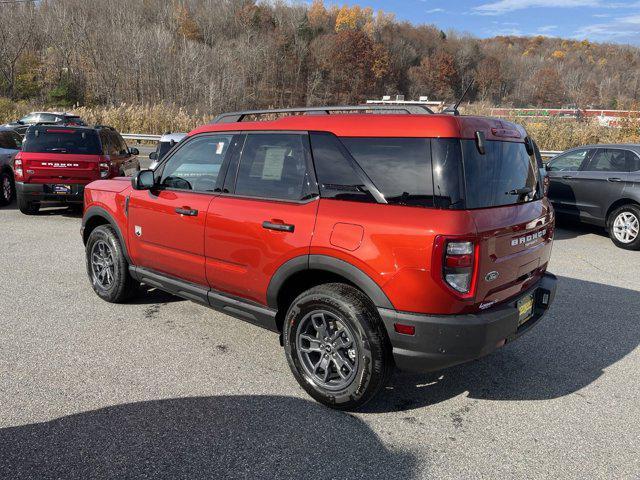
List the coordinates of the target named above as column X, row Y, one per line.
column 120, row 143
column 608, row 160
column 569, row 162
column 7, row 140
column 399, row 167
column 274, row 166
column 448, row 178
column 196, row 165
column 634, row 162
column 105, row 140
column 336, row 177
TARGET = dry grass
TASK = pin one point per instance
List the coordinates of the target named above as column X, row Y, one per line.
column 562, row 134
column 551, row 134
column 152, row 119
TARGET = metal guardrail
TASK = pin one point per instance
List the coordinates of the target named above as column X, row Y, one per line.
column 143, row 137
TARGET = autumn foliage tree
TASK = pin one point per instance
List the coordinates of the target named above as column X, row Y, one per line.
column 213, row 55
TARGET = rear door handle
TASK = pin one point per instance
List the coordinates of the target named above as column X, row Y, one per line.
column 187, row 212
column 614, row 179
column 278, row 227
column 567, row 177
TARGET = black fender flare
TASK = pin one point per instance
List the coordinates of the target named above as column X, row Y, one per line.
column 97, row 211
column 327, row 264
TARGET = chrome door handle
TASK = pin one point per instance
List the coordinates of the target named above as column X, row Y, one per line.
column 614, row 179
column 187, row 212
column 567, row 177
column 278, row 227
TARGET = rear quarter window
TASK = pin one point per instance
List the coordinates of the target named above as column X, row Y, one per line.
column 400, row 168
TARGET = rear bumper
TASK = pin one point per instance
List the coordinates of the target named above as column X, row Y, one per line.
column 38, row 192
column 443, row 341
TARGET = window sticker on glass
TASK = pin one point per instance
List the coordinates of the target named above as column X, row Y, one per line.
column 220, row 148
column 273, row 163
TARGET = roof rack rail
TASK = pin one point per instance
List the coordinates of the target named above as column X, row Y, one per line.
column 50, row 123
column 233, row 117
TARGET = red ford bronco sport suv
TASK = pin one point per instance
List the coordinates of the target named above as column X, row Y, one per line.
column 56, row 162
column 366, row 241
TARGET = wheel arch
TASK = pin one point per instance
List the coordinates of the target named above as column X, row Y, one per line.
column 301, row 273
column 97, row 216
column 617, row 204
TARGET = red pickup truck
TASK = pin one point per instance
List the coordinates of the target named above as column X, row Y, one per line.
column 367, row 242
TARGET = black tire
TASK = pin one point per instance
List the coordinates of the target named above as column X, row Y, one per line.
column 7, row 189
column 632, row 212
column 122, row 286
column 27, row 207
column 353, row 309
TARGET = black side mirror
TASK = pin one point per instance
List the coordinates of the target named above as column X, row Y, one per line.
column 481, row 143
column 547, row 167
column 143, row 180
column 134, row 151
column 153, row 156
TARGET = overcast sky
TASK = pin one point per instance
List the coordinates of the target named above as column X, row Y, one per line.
column 597, row 20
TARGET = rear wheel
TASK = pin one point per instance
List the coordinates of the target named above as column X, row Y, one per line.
column 27, row 207
column 7, row 189
column 624, row 227
column 336, row 346
column 107, row 266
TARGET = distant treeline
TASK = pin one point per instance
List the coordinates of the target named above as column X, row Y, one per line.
column 216, row 55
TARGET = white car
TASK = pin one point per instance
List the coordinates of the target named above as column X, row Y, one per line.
column 166, row 143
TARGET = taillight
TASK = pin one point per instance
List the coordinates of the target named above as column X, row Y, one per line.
column 104, row 168
column 17, row 169
column 455, row 264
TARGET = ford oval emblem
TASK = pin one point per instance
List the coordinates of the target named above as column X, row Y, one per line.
column 492, row 276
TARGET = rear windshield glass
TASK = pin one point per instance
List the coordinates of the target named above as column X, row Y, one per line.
column 62, row 140
column 399, row 167
column 505, row 175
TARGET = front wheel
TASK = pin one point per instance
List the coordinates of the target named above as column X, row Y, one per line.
column 624, row 227
column 336, row 346
column 107, row 266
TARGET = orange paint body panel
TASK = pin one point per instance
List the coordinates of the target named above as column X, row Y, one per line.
column 241, row 255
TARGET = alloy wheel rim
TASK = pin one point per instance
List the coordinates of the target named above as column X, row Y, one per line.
column 327, row 350
column 6, row 188
column 626, row 227
column 102, row 265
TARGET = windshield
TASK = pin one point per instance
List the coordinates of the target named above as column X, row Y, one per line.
column 62, row 140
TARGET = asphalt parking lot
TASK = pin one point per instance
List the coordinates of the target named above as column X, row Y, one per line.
column 165, row 388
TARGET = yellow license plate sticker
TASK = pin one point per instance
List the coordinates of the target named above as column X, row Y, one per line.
column 525, row 309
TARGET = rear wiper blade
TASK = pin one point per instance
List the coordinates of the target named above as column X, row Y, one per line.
column 521, row 191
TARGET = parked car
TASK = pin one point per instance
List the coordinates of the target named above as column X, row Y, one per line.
column 57, row 118
column 600, row 184
column 167, row 142
column 56, row 162
column 10, row 144
column 365, row 241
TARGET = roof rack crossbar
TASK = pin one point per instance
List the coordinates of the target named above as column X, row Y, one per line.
column 233, row 117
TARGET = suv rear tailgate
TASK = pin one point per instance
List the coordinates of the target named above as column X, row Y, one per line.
column 60, row 167
column 515, row 247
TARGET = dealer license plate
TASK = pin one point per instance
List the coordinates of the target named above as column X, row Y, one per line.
column 525, row 309
column 62, row 189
